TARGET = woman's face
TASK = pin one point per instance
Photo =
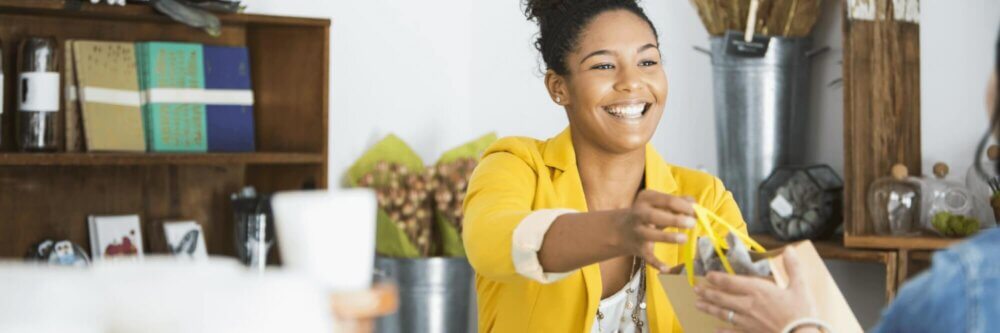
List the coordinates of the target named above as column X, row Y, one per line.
column 616, row 87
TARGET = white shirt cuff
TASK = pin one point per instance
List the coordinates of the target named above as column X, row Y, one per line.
column 528, row 237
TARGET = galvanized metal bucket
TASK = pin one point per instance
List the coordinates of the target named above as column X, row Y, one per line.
column 761, row 111
column 434, row 295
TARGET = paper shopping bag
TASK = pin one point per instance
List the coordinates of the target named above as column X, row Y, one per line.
column 830, row 303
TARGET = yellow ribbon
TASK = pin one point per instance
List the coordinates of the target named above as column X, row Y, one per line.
column 704, row 216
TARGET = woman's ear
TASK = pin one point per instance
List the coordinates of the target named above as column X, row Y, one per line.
column 556, row 85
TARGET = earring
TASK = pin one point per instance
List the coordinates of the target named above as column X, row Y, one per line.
column 558, row 99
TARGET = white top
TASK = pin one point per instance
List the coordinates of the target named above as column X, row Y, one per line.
column 527, row 239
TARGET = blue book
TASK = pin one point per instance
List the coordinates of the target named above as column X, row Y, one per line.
column 230, row 123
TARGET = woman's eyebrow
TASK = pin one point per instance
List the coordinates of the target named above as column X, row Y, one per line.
column 606, row 52
column 596, row 53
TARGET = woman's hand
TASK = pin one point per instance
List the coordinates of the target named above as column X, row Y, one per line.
column 643, row 224
column 758, row 305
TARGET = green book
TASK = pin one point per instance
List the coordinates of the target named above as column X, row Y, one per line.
column 170, row 76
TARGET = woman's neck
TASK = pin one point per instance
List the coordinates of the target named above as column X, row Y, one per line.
column 610, row 180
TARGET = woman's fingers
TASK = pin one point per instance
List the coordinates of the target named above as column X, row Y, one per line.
column 649, row 256
column 724, row 300
column 662, row 219
column 717, row 311
column 677, row 205
column 738, row 319
column 736, row 284
column 793, row 268
column 652, row 234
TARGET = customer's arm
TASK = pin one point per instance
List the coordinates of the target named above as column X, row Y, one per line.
column 936, row 301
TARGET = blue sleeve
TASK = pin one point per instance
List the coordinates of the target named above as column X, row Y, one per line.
column 932, row 302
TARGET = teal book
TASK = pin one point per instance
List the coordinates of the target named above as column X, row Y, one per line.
column 171, row 76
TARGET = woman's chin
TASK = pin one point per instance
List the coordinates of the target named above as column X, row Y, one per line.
column 627, row 143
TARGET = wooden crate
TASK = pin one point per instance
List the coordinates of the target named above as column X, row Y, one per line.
column 50, row 195
column 881, row 116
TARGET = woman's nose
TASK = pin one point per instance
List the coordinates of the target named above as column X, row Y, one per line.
column 628, row 80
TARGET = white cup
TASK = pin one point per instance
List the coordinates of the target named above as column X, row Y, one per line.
column 328, row 236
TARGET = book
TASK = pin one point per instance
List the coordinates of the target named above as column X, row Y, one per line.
column 229, row 118
column 73, row 130
column 117, row 237
column 108, row 92
column 185, row 239
column 170, row 76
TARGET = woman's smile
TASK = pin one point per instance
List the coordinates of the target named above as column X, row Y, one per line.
column 630, row 111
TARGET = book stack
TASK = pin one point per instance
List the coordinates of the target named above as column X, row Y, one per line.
column 158, row 97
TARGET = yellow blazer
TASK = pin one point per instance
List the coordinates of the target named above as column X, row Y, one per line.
column 520, row 175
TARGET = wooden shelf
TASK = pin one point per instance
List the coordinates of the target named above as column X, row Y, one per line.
column 68, row 159
column 136, row 12
column 831, row 249
column 899, row 243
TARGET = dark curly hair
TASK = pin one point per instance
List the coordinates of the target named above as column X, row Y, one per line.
column 560, row 23
column 994, row 126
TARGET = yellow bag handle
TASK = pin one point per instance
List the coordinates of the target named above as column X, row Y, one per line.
column 704, row 217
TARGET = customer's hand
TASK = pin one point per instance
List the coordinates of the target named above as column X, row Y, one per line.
column 643, row 225
column 758, row 305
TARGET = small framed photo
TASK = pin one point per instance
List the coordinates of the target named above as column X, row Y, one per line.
column 185, row 239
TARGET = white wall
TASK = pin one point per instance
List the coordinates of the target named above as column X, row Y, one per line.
column 957, row 45
column 438, row 73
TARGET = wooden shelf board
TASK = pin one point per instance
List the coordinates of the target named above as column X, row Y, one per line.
column 898, row 242
column 922, row 255
column 72, row 159
column 830, row 249
column 138, row 12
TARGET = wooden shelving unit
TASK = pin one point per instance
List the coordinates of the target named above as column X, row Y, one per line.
column 50, row 195
column 55, row 159
column 900, row 243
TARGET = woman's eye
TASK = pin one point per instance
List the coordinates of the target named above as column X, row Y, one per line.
column 603, row 66
column 647, row 63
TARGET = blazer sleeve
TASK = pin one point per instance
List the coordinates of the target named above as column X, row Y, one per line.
column 500, row 195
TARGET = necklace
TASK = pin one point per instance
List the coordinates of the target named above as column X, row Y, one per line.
column 640, row 295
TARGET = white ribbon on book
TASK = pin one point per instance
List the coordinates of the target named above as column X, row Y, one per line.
column 198, row 96
column 110, row 96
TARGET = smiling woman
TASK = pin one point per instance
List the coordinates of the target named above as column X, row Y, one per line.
column 568, row 234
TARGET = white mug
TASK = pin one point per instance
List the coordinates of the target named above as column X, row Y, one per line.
column 328, row 236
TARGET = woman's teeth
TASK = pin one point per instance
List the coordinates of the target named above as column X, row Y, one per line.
column 626, row 111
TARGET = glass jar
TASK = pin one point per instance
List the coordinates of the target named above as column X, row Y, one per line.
column 801, row 202
column 894, row 203
column 949, row 208
column 981, row 189
column 38, row 96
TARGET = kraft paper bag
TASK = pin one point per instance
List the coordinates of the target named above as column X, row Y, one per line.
column 830, row 302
